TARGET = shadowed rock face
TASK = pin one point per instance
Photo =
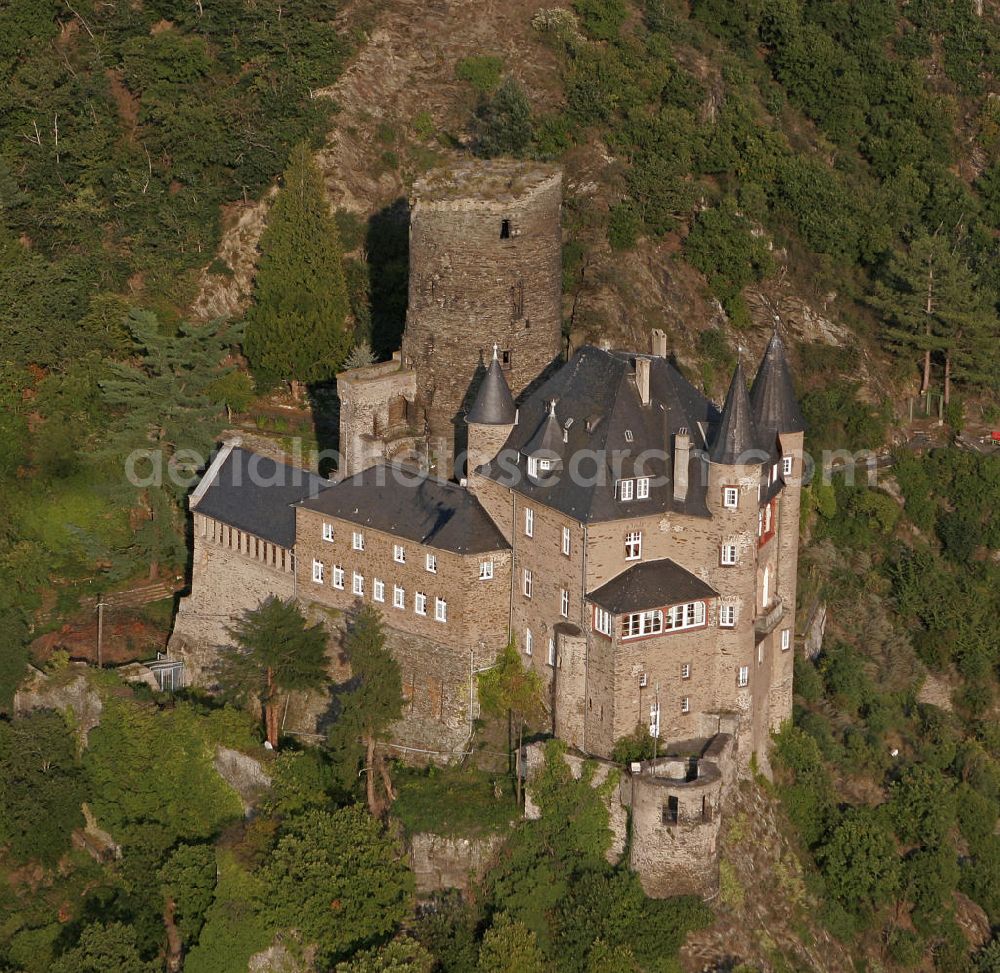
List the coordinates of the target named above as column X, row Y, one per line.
column 68, row 695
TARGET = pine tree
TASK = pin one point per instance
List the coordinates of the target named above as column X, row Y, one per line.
column 933, row 305
column 374, row 701
column 276, row 652
column 297, row 328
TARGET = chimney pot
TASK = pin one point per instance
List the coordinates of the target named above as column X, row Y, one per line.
column 659, row 343
column 682, row 457
column 642, row 366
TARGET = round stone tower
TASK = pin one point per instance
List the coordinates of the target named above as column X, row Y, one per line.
column 485, row 268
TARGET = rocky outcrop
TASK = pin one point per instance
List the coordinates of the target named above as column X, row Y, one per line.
column 68, row 691
column 244, row 774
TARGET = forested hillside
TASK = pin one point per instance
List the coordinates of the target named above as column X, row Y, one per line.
column 833, row 166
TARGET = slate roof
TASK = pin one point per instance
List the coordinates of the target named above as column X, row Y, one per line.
column 409, row 504
column 772, row 397
column 736, row 434
column 548, row 438
column 598, row 400
column 650, row 584
column 255, row 493
column 494, row 405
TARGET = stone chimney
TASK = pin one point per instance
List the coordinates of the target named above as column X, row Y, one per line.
column 659, row 343
column 642, row 378
column 682, row 457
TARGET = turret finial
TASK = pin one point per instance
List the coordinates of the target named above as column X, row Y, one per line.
column 496, row 351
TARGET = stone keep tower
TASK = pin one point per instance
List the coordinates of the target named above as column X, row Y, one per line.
column 485, row 268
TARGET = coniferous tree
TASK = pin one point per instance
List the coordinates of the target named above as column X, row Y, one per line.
column 933, row 305
column 276, row 652
column 373, row 702
column 297, row 328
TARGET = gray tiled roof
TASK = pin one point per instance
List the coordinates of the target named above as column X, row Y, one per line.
column 408, row 504
column 494, row 405
column 599, row 409
column 650, row 584
column 772, row 396
column 736, row 434
column 255, row 493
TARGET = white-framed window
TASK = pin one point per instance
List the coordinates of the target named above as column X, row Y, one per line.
column 760, row 653
column 532, row 466
column 686, row 704
column 378, row 589
column 529, row 522
column 743, row 677
column 637, row 624
column 728, row 554
column 338, row 577
column 440, row 610
column 552, row 653
column 357, row 540
column 545, row 465
column 727, row 616
column 774, row 472
column 786, row 639
column 691, row 614
column 564, row 603
column 529, row 642
column 398, row 596
column 602, row 621
column 626, row 489
column 633, row 545
column 431, row 563
column 685, row 670
column 526, row 586
column 420, row 603
column 786, row 465
column 318, row 572
column 565, row 541
column 731, row 497
column 643, row 680
column 485, row 570
column 654, row 719
column 358, row 583
column 399, row 553
column 327, row 531
column 642, row 488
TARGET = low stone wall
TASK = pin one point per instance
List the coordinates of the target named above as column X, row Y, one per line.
column 439, row 862
column 534, row 758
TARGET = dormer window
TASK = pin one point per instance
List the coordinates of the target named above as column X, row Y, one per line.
column 626, row 489
column 628, row 435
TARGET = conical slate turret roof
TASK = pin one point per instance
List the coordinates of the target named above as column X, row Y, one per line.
column 772, row 397
column 548, row 438
column 736, row 434
column 494, row 405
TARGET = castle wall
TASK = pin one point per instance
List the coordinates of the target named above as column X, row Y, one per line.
column 485, row 267
column 376, row 405
column 483, row 443
column 232, row 572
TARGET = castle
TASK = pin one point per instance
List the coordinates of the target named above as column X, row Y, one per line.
column 637, row 542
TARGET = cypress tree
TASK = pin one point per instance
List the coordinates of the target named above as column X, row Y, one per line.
column 297, row 328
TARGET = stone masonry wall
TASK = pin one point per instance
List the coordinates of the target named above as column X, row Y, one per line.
column 471, row 285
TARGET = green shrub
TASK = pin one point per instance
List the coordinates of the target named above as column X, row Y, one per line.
column 482, row 71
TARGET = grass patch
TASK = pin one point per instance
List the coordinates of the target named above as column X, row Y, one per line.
column 453, row 801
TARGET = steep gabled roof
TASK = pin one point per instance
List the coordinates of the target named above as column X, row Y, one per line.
column 772, row 397
column 548, row 437
column 599, row 413
column 494, row 405
column 254, row 493
column 736, row 434
column 651, row 584
column 406, row 503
